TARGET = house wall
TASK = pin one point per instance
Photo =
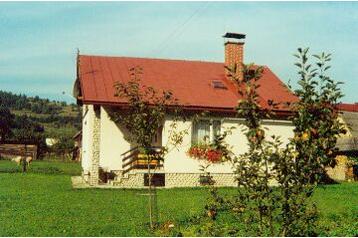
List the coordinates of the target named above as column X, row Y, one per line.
column 87, row 137
column 177, row 166
column 113, row 143
column 177, row 160
column 346, row 127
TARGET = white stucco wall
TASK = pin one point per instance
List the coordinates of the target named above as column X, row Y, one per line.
column 113, row 143
column 87, row 136
column 177, row 160
column 284, row 129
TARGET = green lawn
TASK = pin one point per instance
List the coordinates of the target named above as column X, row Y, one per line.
column 43, row 203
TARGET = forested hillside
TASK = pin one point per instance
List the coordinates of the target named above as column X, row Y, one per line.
column 35, row 119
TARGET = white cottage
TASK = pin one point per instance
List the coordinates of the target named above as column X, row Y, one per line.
column 199, row 86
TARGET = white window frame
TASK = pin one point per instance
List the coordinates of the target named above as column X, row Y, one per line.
column 194, row 139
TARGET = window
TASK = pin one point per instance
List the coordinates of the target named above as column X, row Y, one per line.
column 218, row 84
column 216, row 128
column 157, row 139
column 204, row 131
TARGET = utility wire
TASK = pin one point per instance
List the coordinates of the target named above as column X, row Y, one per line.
column 177, row 31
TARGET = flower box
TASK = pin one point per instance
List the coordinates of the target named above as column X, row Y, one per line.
column 205, row 152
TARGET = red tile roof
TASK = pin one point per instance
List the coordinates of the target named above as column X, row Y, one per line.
column 190, row 81
column 347, row 107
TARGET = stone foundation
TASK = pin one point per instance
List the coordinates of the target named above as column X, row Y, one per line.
column 172, row 180
column 192, row 180
column 130, row 181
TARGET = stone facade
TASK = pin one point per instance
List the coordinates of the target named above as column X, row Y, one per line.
column 133, row 180
column 192, row 179
column 172, row 180
column 339, row 172
column 94, row 173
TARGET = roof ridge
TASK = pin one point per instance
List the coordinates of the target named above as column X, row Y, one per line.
column 165, row 59
column 151, row 58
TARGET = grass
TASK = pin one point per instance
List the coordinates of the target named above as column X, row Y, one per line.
column 43, row 203
column 43, row 167
column 338, row 207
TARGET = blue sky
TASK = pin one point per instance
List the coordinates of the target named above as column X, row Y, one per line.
column 39, row 40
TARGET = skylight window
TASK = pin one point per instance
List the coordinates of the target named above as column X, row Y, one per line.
column 218, row 84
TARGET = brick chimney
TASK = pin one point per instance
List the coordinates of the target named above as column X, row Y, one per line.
column 234, row 52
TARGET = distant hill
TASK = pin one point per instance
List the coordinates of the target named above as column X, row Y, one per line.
column 59, row 119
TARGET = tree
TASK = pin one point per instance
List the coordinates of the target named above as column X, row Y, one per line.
column 297, row 168
column 253, row 168
column 28, row 132
column 64, row 146
column 312, row 149
column 143, row 117
column 6, row 121
column 316, row 116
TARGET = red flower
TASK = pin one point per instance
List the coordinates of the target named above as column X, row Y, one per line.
column 205, row 153
column 213, row 156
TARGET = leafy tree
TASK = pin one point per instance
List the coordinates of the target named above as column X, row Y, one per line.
column 28, row 132
column 312, row 148
column 297, row 168
column 144, row 116
column 256, row 201
column 316, row 116
column 6, row 121
column 64, row 146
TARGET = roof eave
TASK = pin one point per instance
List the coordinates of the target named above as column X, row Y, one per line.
column 279, row 113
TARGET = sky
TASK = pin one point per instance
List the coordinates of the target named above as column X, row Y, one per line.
column 39, row 40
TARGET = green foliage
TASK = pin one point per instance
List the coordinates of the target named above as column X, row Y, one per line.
column 34, row 104
column 312, row 148
column 296, row 168
column 257, row 202
column 26, row 130
column 35, row 119
column 354, row 160
column 143, row 117
column 63, row 147
column 315, row 119
column 6, row 121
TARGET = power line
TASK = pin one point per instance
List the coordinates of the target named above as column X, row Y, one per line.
column 179, row 29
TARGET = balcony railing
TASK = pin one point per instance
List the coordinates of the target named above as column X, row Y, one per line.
column 134, row 159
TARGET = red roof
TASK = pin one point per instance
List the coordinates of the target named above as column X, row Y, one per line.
column 347, row 107
column 190, row 81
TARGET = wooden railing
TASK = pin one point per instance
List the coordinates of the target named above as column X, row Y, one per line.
column 134, row 159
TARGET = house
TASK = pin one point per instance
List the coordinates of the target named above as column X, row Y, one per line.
column 77, row 150
column 347, row 145
column 195, row 85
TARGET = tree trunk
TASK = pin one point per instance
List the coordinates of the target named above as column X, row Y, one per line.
column 150, row 194
column 24, row 164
